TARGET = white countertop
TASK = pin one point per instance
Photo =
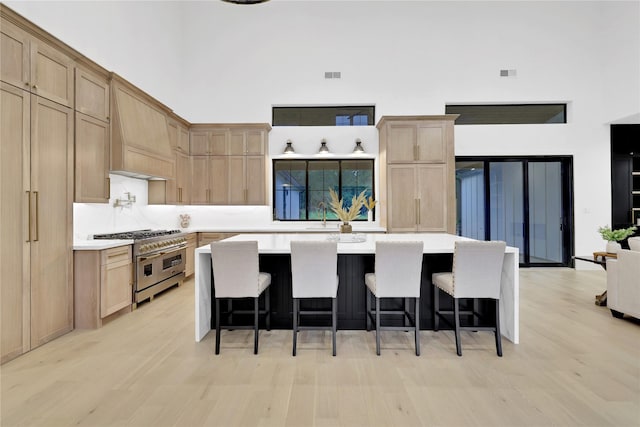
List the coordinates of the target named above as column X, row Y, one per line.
column 356, row 243
column 290, row 227
column 276, row 227
column 98, row 245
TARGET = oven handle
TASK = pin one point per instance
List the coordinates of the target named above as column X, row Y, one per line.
column 152, row 256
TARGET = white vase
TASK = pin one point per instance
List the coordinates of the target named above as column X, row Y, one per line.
column 613, row 247
column 370, row 216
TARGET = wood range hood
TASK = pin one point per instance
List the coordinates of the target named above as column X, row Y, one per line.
column 140, row 146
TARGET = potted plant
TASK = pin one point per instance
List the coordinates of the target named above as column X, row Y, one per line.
column 346, row 215
column 614, row 236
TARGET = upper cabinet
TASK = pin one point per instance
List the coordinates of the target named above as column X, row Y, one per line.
column 417, row 177
column 140, row 145
column 92, row 136
column 417, row 141
column 92, row 94
column 33, row 65
column 229, row 163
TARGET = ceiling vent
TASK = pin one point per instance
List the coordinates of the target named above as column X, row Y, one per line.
column 332, row 74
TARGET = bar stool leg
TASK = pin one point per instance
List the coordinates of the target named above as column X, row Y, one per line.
column 367, row 298
column 377, row 326
column 267, row 307
column 417, row 326
column 436, row 308
column 217, row 326
column 456, row 316
column 334, row 314
column 498, row 334
column 295, row 324
column 256, row 312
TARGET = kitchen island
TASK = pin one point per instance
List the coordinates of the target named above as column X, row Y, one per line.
column 356, row 256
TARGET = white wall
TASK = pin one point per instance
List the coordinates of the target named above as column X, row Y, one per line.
column 215, row 62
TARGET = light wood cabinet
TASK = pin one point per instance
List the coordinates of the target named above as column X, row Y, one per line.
column 91, row 160
column 190, row 264
column 209, row 142
column 246, row 180
column 140, row 144
column 417, row 142
column 31, row 64
column 103, row 285
column 418, row 198
column 92, row 95
column 230, row 169
column 206, row 237
column 36, row 223
column 418, row 181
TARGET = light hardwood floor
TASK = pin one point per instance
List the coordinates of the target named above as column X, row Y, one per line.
column 576, row 365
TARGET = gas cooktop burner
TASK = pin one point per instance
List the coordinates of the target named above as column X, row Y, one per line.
column 136, row 235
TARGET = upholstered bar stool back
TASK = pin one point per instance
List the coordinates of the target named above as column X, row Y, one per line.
column 314, row 274
column 236, row 275
column 476, row 273
column 398, row 272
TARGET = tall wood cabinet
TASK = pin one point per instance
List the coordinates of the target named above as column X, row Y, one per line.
column 229, row 164
column 36, row 224
column 418, row 181
column 92, row 139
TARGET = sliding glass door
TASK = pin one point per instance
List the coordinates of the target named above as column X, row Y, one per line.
column 525, row 201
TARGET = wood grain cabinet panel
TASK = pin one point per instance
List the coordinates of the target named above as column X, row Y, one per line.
column 37, row 199
column 31, row 64
column 189, row 265
column 15, row 246
column 92, row 147
column 103, row 285
column 418, row 180
column 92, row 95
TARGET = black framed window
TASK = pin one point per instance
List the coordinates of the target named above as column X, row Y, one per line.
column 324, row 116
column 301, row 187
column 502, row 114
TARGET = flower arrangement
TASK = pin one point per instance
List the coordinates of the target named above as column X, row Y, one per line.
column 370, row 203
column 615, row 235
column 345, row 215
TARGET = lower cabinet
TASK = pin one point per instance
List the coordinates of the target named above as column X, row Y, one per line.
column 206, row 238
column 103, row 285
column 190, row 263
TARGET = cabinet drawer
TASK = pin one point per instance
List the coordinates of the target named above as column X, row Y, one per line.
column 114, row 255
column 206, row 238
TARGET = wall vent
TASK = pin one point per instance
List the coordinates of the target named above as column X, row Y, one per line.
column 507, row 73
column 332, row 74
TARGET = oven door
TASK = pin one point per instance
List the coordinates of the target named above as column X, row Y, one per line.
column 156, row 267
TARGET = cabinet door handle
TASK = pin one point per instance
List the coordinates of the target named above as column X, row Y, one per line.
column 29, row 215
column 108, row 188
column 35, row 86
column 37, row 219
column 417, row 152
column 415, row 156
column 180, row 194
column 415, row 211
column 419, row 213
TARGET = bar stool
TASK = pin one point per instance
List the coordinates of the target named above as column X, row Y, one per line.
column 236, row 275
column 477, row 270
column 314, row 274
column 398, row 271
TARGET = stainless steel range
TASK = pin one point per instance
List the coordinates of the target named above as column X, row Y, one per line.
column 159, row 258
